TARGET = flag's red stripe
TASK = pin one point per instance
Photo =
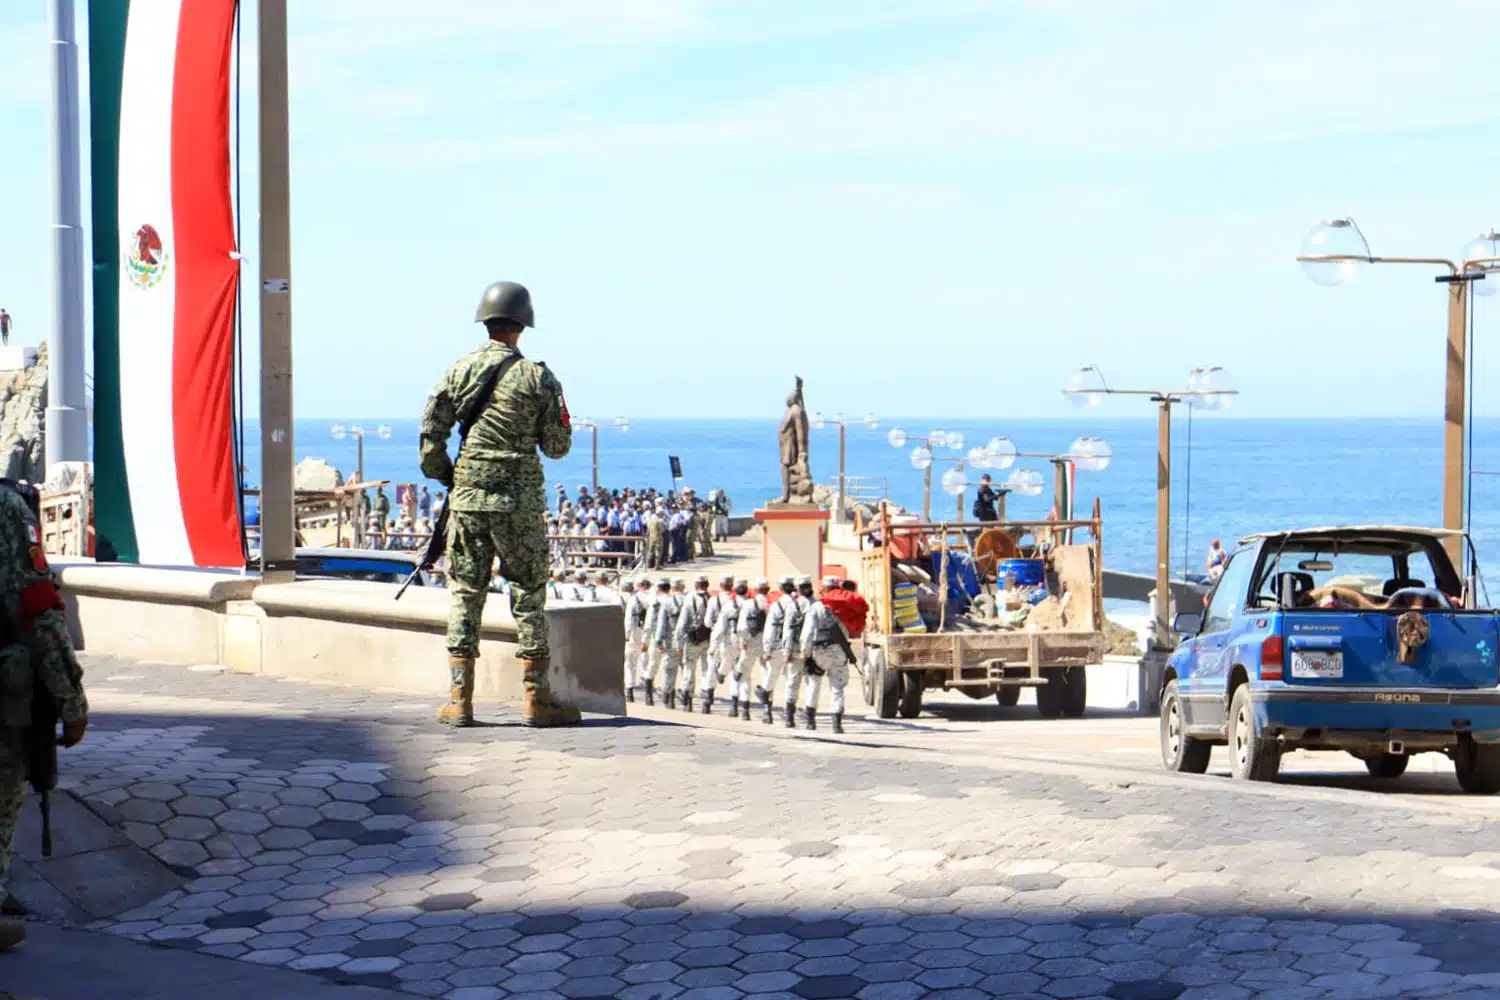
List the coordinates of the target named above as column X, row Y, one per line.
column 203, row 339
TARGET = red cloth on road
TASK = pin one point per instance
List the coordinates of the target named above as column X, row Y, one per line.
column 850, row 608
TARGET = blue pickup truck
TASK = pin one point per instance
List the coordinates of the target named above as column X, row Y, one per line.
column 1360, row 639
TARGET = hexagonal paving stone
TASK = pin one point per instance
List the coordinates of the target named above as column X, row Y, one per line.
column 1034, row 882
column 828, row 987
column 379, row 949
column 515, row 873
column 448, row 901
column 767, row 925
column 245, row 918
column 655, row 900
column 821, row 929
column 1145, row 989
column 810, row 849
column 557, row 923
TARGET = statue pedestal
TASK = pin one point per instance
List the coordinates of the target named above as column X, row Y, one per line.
column 791, row 540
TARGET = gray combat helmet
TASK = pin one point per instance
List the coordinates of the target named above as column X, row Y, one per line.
column 506, row 300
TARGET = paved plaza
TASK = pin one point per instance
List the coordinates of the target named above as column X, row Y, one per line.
column 335, row 837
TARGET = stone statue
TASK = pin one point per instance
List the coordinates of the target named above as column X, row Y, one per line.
column 796, row 479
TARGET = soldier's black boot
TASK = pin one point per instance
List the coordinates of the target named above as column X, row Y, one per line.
column 838, row 722
column 762, row 695
column 630, row 694
column 687, row 701
column 745, row 709
column 769, row 717
column 650, row 693
column 669, row 698
column 708, row 703
column 734, row 706
column 810, row 714
column 791, row 715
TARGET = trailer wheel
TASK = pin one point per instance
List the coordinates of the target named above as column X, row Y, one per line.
column 885, row 684
column 1075, row 692
column 1477, row 766
column 1008, row 697
column 1049, row 697
column 911, row 694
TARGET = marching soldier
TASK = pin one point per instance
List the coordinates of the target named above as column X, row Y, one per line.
column 750, row 631
column 37, row 651
column 722, row 611
column 824, row 649
column 656, row 607
column 668, row 654
column 509, row 407
column 692, row 639
column 636, row 610
column 771, row 646
column 796, row 612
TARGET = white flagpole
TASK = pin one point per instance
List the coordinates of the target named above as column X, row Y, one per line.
column 66, row 436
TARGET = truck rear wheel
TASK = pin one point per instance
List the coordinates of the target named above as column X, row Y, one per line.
column 1075, row 692
column 911, row 694
column 1477, row 766
column 1050, row 696
column 1008, row 697
column 884, row 683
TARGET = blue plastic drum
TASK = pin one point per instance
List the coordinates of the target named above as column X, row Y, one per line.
column 1028, row 572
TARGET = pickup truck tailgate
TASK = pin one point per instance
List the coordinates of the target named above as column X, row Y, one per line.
column 1334, row 648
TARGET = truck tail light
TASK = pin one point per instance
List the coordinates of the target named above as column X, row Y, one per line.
column 1270, row 658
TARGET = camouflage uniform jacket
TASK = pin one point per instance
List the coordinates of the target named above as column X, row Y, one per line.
column 499, row 470
column 29, row 598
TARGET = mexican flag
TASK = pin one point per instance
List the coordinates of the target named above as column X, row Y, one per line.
column 165, row 282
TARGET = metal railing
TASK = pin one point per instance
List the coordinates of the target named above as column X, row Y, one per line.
column 862, row 489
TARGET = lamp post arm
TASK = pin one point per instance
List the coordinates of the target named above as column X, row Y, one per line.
column 1343, row 258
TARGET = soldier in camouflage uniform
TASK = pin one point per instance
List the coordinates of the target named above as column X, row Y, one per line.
column 496, row 500
column 37, row 650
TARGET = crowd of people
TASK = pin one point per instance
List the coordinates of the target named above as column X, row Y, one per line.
column 684, row 642
column 649, row 528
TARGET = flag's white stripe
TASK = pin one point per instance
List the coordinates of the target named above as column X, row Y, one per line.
column 146, row 314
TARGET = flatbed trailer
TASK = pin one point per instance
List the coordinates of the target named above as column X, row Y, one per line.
column 897, row 667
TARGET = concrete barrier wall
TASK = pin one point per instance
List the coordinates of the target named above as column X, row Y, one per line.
column 345, row 631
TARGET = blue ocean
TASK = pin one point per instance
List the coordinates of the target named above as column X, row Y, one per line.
column 1230, row 476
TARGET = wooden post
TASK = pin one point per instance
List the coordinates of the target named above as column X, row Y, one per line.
column 1453, row 418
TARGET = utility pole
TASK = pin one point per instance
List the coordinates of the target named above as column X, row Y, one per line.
column 278, row 514
column 67, row 434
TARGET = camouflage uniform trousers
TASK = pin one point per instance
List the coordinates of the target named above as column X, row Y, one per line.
column 636, row 659
column 746, row 656
column 475, row 538
column 836, row 666
column 12, row 797
column 694, row 659
column 771, row 665
column 663, row 662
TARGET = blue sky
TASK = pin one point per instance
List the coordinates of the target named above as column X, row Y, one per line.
column 921, row 206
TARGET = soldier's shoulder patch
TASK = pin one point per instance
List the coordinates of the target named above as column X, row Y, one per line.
column 31, row 534
column 562, row 409
column 39, row 559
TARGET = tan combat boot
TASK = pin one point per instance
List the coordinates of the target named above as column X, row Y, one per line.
column 12, row 933
column 460, row 708
column 542, row 707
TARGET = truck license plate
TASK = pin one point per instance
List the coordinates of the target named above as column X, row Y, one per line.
column 1320, row 665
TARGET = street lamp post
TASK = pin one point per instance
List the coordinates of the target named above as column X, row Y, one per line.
column 1333, row 253
column 621, row 424
column 1207, row 389
column 921, row 456
column 339, row 432
column 1090, row 454
column 818, row 423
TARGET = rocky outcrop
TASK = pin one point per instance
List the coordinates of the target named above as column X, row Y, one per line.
column 23, row 414
column 316, row 474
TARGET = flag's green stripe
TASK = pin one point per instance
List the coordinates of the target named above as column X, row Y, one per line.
column 114, row 522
